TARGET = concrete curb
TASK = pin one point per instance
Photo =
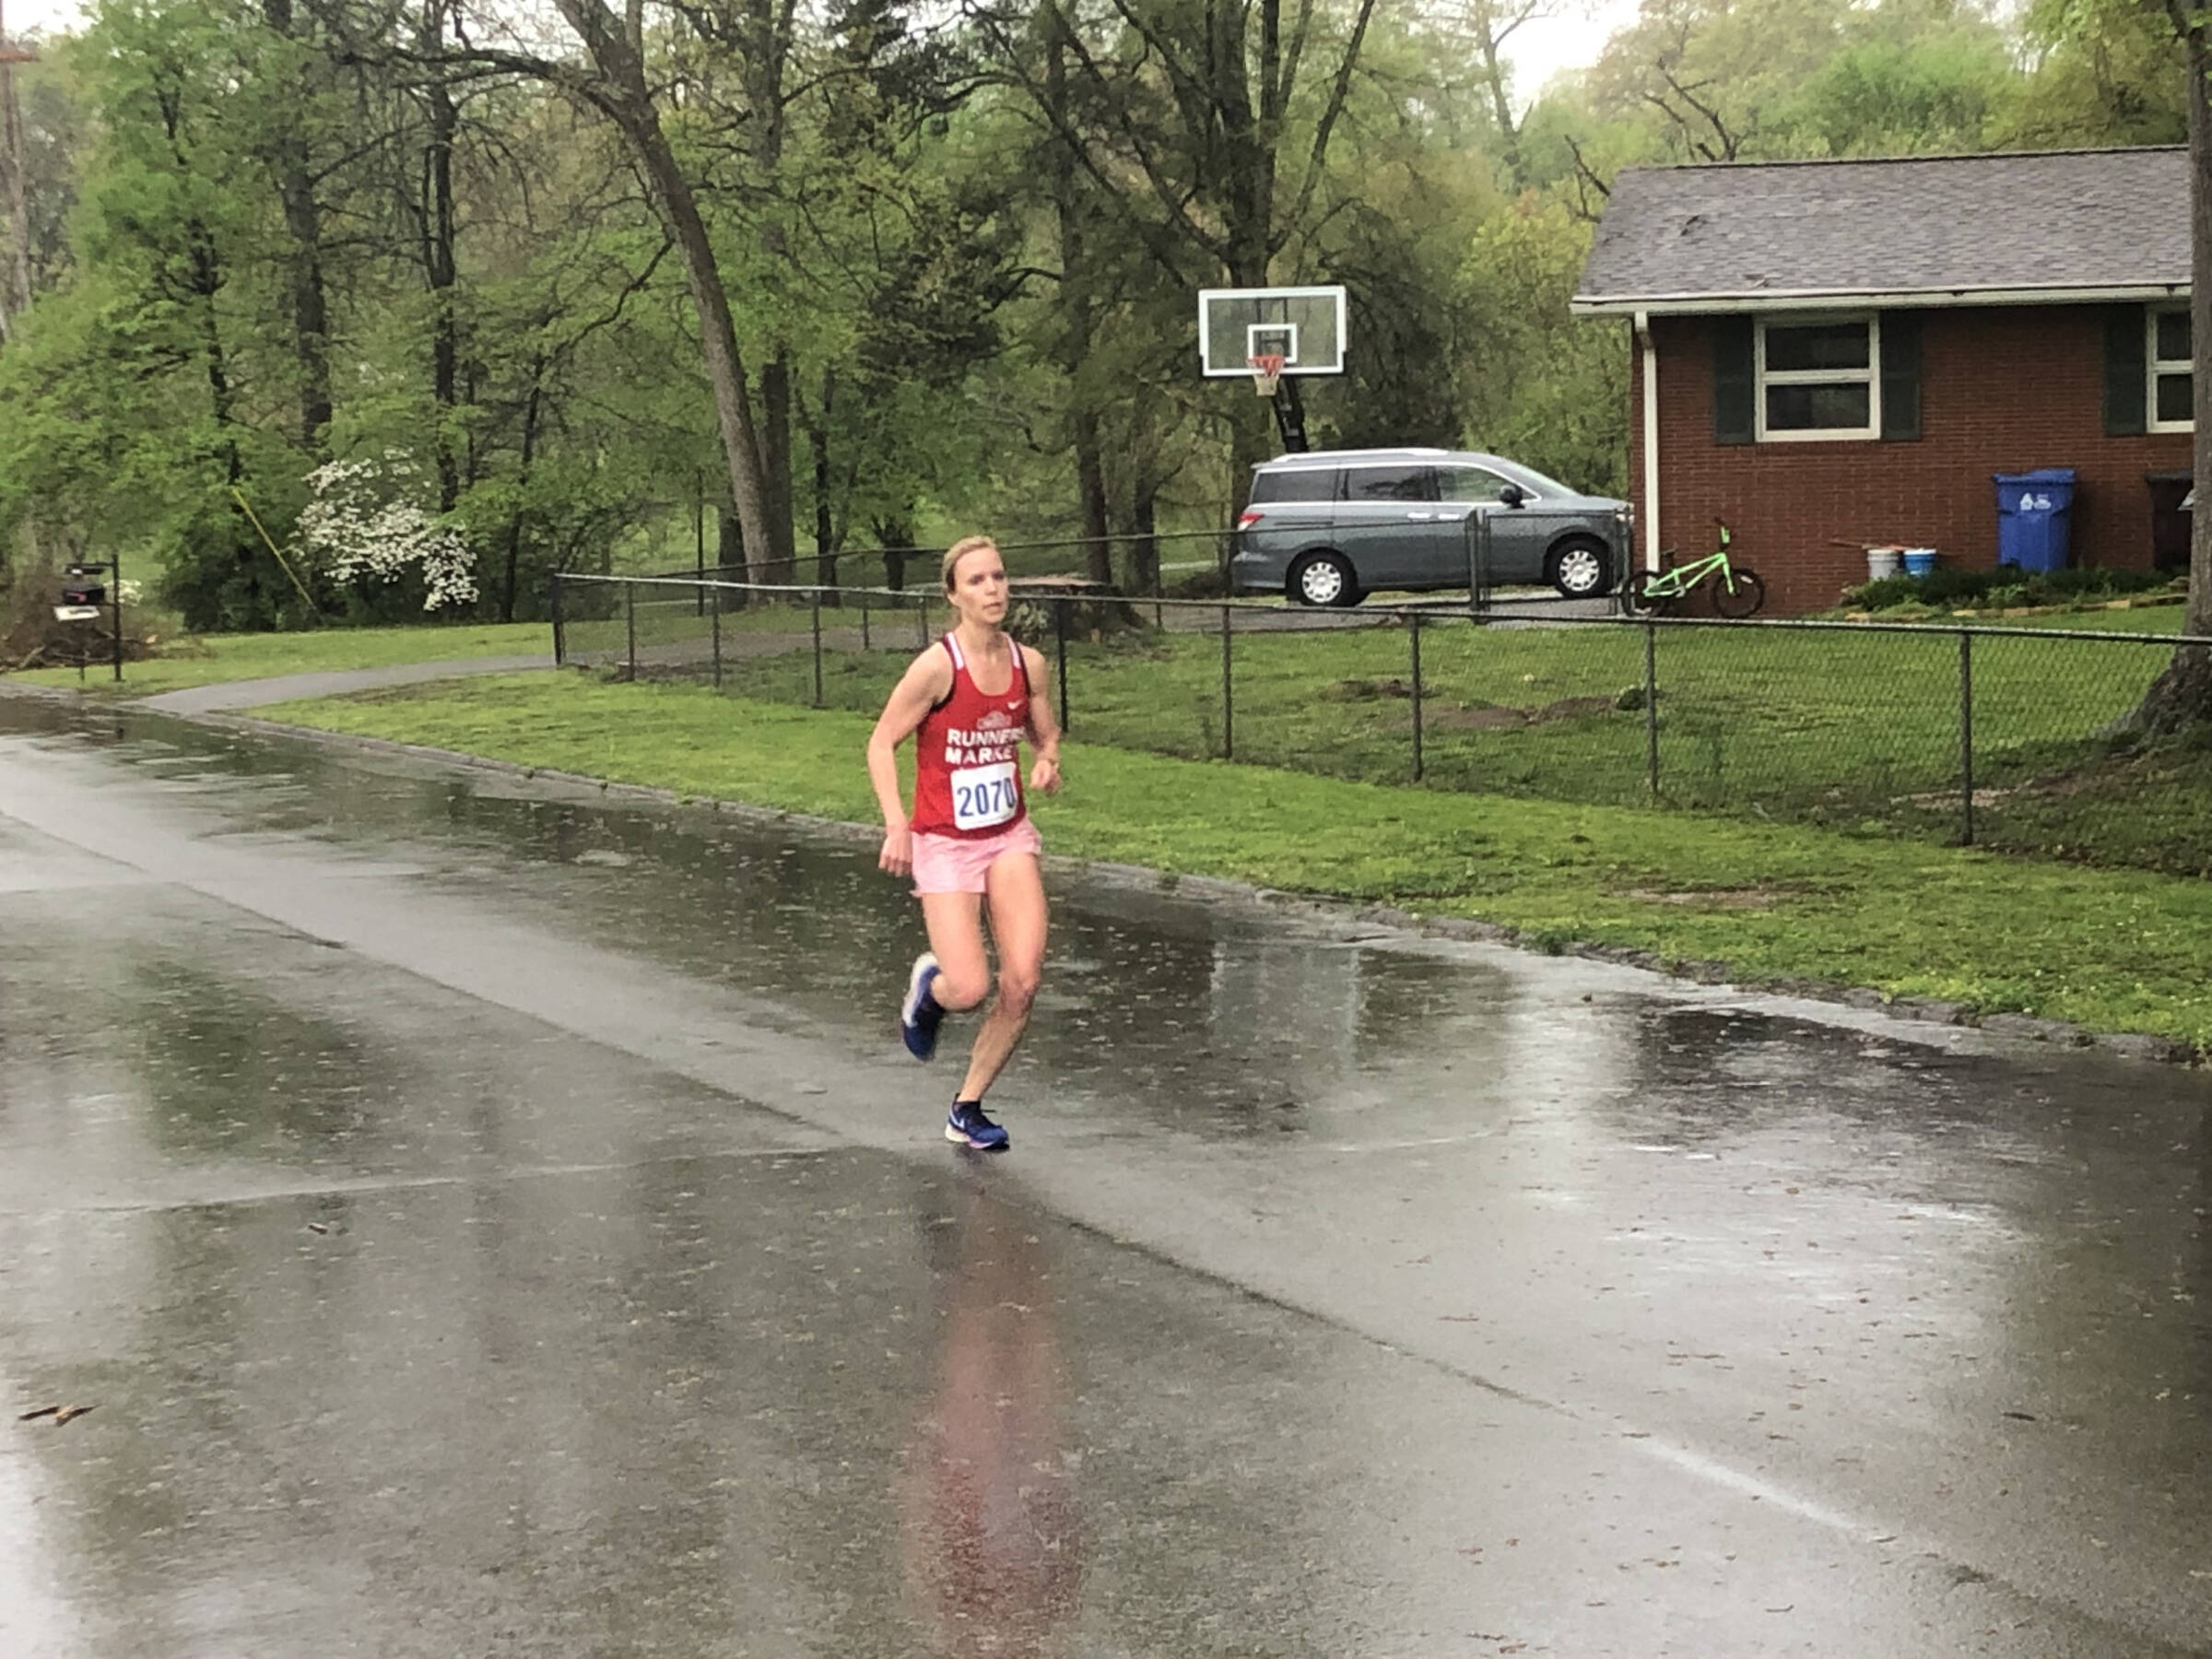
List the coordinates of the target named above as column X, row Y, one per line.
column 2140, row 1046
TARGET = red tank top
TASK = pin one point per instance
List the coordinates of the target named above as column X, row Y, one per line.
column 966, row 759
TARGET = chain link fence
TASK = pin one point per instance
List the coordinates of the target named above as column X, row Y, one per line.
column 2013, row 739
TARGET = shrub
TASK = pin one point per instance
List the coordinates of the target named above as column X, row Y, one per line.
column 1947, row 584
column 1949, row 587
column 361, row 530
column 1883, row 593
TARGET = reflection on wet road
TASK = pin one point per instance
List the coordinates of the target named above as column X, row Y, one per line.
column 485, row 1216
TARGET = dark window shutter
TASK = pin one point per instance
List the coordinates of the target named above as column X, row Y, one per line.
column 2125, row 371
column 1735, row 382
column 1901, row 376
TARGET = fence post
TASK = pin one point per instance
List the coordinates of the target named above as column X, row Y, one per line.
column 1060, row 653
column 115, row 611
column 714, row 611
column 1966, row 737
column 561, row 643
column 1477, row 536
column 629, row 625
column 923, row 615
column 815, row 607
column 1413, row 637
column 863, row 619
column 1228, row 705
column 1469, row 531
column 1651, row 706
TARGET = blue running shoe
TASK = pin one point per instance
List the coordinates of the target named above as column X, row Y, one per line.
column 969, row 1127
column 919, row 1016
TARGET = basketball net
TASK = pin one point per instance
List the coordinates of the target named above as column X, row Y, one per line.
column 1266, row 370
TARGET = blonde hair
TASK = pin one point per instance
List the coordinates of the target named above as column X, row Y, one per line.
column 959, row 550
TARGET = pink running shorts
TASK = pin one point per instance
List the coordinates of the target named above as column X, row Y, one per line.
column 958, row 864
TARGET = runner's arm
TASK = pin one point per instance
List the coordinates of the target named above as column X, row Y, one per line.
column 1044, row 727
column 920, row 690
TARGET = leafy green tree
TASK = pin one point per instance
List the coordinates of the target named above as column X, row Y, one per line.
column 2100, row 72
column 174, row 218
column 1549, row 390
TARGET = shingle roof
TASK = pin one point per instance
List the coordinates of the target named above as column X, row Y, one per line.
column 2058, row 219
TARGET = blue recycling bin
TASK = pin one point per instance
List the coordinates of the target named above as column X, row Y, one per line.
column 2034, row 518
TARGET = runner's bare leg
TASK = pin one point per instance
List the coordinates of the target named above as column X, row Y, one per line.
column 1015, row 888
column 955, row 922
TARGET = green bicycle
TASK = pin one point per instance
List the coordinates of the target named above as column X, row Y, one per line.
column 1739, row 594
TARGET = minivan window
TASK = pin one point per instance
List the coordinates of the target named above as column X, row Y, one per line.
column 1386, row 484
column 1468, row 484
column 1295, row 484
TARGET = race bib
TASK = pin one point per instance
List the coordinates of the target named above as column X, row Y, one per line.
column 984, row 796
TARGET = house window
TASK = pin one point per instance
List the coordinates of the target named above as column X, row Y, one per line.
column 1819, row 378
column 2172, row 386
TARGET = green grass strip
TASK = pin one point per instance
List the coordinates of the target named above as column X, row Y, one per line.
column 2113, row 950
column 215, row 659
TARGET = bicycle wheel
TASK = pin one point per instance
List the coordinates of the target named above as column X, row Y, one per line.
column 1747, row 596
column 1638, row 596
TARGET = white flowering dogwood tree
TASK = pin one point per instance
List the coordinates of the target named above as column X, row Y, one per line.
column 362, row 523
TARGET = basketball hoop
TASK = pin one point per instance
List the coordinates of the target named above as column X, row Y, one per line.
column 1266, row 370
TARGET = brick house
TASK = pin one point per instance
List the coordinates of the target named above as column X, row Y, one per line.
column 1833, row 354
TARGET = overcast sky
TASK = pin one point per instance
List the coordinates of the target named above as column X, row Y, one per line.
column 1541, row 48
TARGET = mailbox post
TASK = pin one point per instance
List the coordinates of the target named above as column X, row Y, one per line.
column 87, row 585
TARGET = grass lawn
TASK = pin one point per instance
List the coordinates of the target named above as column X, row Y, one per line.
column 1846, row 729
column 2112, row 950
column 218, row 658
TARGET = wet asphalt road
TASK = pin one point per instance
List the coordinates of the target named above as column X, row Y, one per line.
column 487, row 1219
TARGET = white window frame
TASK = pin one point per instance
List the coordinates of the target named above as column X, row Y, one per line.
column 1871, row 375
column 2155, row 367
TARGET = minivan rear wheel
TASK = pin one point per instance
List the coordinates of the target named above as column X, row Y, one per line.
column 1322, row 579
column 1578, row 568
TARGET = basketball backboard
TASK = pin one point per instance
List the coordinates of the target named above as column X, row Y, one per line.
column 1304, row 326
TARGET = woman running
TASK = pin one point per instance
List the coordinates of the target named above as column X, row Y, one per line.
column 970, row 698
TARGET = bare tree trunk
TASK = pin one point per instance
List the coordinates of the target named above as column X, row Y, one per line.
column 775, row 462
column 768, row 28
column 1075, row 308
column 514, row 523
column 2199, row 613
column 1143, row 544
column 2182, row 695
column 438, row 260
column 717, row 342
column 616, row 88
column 896, row 537
column 12, row 183
column 1501, row 103
column 302, row 223
column 16, row 297
column 729, row 541
column 825, row 520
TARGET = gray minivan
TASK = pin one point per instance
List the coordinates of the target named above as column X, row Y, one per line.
column 1329, row 527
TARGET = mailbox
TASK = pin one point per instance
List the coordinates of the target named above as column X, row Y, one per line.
column 85, row 584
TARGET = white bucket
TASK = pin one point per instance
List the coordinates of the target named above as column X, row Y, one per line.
column 1883, row 562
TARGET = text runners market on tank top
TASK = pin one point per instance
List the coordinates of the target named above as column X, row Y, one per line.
column 967, row 771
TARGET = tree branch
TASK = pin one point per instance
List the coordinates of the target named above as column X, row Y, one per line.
column 1338, row 92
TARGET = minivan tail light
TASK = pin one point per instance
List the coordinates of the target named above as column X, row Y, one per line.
column 1249, row 517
